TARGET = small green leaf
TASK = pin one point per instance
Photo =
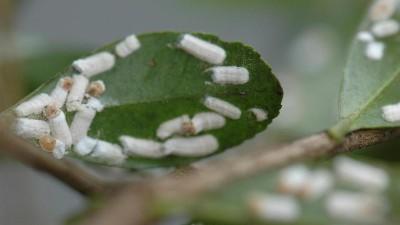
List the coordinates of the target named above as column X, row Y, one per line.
column 368, row 85
column 159, row 82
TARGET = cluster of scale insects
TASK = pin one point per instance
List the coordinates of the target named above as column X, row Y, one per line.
column 180, row 136
column 353, row 193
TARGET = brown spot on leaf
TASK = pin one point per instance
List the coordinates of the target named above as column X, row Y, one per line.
column 152, row 63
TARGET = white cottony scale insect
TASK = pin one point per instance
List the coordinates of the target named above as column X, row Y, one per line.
column 50, row 144
column 229, row 75
column 127, row 46
column 60, row 92
column 361, row 208
column 95, row 64
column 58, row 125
column 201, row 49
column 85, row 146
column 365, row 36
column 34, row 105
column 391, row 113
column 207, row 121
column 385, row 28
column 318, row 184
column 83, row 119
column 108, row 152
column 59, row 150
column 77, row 92
column 96, row 88
column 222, row 107
column 293, row 179
column 81, row 123
column 100, row 150
column 382, row 10
column 260, row 114
column 95, row 104
column 173, row 126
column 300, row 181
column 191, row 147
column 360, row 174
column 141, row 147
column 375, row 50
column 276, row 208
column 30, row 128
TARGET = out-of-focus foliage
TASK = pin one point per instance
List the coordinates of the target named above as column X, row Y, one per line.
column 40, row 67
column 344, row 15
column 230, row 205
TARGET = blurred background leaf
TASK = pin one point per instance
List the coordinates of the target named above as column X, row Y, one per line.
column 44, row 65
column 230, row 205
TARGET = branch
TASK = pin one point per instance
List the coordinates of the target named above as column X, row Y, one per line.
column 129, row 207
column 63, row 170
column 218, row 173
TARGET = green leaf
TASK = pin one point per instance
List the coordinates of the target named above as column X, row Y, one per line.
column 367, row 86
column 160, row 82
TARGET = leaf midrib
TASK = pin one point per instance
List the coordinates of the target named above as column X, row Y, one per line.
column 350, row 119
column 153, row 101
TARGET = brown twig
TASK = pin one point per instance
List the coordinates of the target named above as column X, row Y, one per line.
column 63, row 170
column 129, row 206
column 216, row 174
column 221, row 172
